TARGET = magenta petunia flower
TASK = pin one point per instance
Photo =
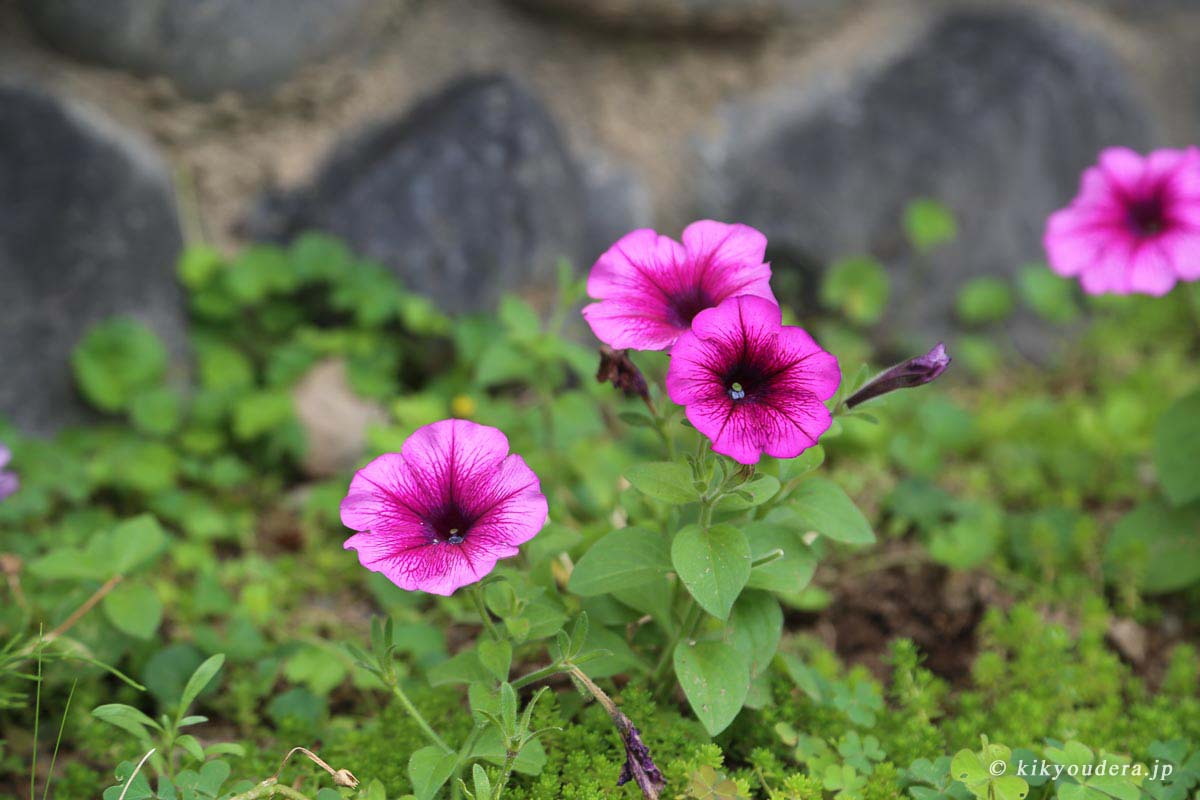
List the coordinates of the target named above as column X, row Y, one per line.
column 751, row 384
column 441, row 512
column 9, row 482
column 1134, row 227
column 650, row 287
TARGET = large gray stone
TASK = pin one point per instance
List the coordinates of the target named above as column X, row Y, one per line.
column 204, row 46
column 87, row 230
column 467, row 195
column 688, row 16
column 994, row 114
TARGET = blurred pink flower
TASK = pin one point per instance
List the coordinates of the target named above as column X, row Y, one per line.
column 750, row 384
column 650, row 287
column 441, row 512
column 1134, row 227
column 9, row 482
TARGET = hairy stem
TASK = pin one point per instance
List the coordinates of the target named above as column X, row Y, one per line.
column 408, row 706
column 477, row 596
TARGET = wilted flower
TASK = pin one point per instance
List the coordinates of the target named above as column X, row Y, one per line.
column 914, row 372
column 650, row 287
column 441, row 512
column 751, row 384
column 1134, row 227
column 9, row 482
column 618, row 369
column 639, row 767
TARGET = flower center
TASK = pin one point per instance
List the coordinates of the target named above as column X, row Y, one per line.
column 449, row 524
column 1146, row 216
column 736, row 392
column 688, row 304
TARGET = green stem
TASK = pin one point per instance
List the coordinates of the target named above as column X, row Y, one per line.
column 510, row 756
column 429, row 732
column 464, row 758
column 477, row 596
column 537, row 675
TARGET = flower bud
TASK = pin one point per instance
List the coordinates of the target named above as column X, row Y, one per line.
column 913, row 372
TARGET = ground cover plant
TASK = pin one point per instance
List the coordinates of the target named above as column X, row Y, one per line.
column 720, row 557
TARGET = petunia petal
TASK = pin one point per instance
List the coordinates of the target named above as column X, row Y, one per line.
column 1124, row 168
column 1074, row 240
column 1110, row 272
column 819, row 372
column 1183, row 249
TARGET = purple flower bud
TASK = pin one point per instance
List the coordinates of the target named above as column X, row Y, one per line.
column 9, row 482
column 914, row 372
column 639, row 766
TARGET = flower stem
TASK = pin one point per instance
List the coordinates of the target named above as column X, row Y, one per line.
column 537, row 675
column 510, row 757
column 477, row 596
column 429, row 732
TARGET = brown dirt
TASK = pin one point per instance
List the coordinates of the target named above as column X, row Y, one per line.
column 939, row 610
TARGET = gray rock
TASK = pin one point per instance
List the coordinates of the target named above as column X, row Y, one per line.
column 205, row 46
column 994, row 114
column 683, row 16
column 467, row 195
column 87, row 230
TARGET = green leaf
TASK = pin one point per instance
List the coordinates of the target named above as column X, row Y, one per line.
column 127, row 718
column 1164, row 540
column 1051, row 296
column 428, row 769
column 200, row 678
column 496, row 657
column 622, row 559
column 134, row 609
column 135, row 542
column 463, row 667
column 715, row 676
column 819, row 504
column 191, row 745
column 928, row 223
column 519, row 318
column 858, row 288
column 1176, row 448
column 118, row 359
column 156, row 411
column 750, row 495
column 793, row 571
column 755, row 627
column 665, row 480
column 984, row 300
column 317, row 667
column 261, row 412
column 483, row 785
column 713, row 564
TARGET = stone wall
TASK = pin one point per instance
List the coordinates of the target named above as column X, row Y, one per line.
column 469, row 144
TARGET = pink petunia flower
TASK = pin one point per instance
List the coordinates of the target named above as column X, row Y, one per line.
column 751, row 384
column 651, row 287
column 441, row 512
column 1134, row 227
